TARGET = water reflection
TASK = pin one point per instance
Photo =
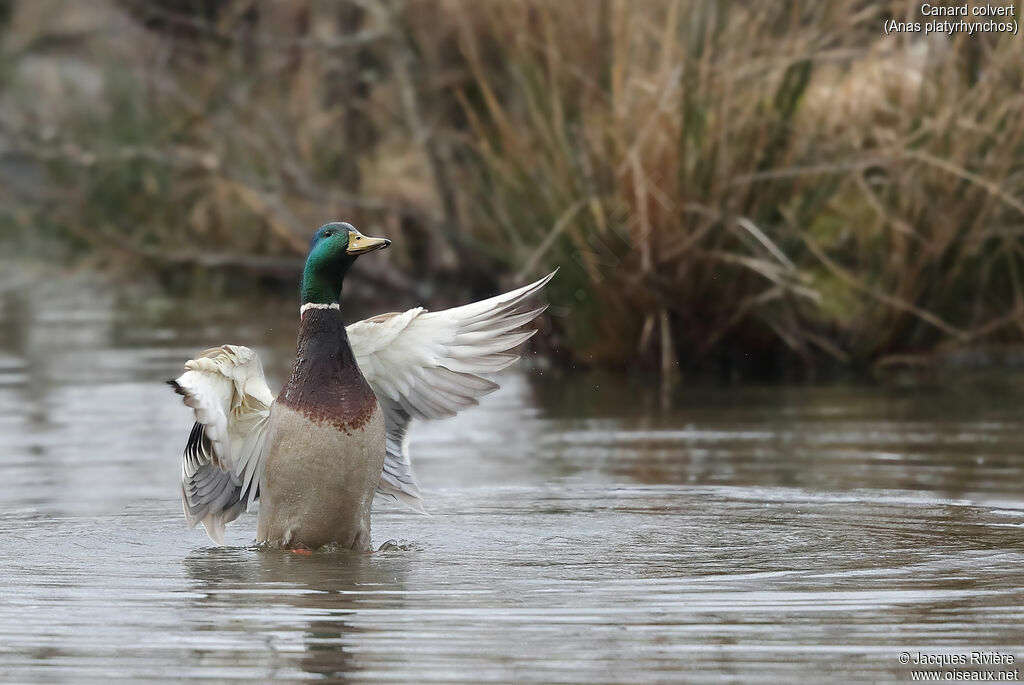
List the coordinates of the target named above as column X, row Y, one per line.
column 318, row 595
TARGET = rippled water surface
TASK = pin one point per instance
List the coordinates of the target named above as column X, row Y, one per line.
column 584, row 529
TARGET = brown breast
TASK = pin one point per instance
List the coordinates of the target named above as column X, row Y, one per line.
column 326, row 384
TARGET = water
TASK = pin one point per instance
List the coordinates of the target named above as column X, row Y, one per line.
column 581, row 530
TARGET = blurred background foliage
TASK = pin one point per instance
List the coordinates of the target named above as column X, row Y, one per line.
column 744, row 187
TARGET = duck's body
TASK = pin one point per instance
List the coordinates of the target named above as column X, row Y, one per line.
column 335, row 436
column 326, row 445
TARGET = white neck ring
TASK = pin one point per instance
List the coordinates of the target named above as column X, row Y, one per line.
column 317, row 305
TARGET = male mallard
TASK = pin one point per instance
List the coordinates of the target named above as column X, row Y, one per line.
column 335, row 436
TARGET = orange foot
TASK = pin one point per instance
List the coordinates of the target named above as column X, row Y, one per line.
column 302, row 551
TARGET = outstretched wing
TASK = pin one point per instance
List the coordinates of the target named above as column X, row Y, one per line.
column 426, row 365
column 222, row 463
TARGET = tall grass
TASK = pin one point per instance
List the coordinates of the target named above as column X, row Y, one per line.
column 740, row 186
column 749, row 182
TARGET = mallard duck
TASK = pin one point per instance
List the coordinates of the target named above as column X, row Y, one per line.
column 335, row 436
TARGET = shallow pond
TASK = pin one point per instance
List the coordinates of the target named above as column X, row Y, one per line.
column 583, row 529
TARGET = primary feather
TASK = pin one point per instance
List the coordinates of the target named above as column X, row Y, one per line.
column 426, row 365
column 220, row 467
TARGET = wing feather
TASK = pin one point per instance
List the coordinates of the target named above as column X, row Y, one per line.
column 427, row 365
column 222, row 461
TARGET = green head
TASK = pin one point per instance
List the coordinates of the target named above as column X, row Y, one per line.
column 334, row 248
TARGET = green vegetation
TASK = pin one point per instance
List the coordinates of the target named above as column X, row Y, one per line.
column 738, row 186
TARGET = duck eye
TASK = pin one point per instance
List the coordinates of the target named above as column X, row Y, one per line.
column 328, row 234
